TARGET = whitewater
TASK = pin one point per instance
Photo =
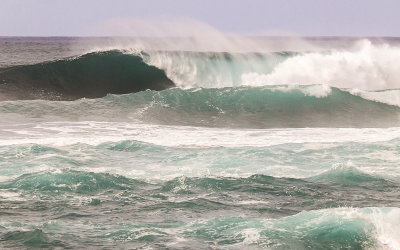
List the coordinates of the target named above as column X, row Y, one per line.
column 119, row 143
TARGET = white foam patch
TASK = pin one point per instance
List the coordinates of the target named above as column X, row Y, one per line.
column 366, row 67
column 385, row 220
column 251, row 235
column 94, row 133
column 10, row 196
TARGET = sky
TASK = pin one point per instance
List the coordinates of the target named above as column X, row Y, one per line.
column 248, row 17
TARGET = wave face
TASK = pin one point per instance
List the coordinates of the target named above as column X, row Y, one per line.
column 90, row 75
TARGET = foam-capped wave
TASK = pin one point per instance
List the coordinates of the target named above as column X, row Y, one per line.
column 334, row 228
column 213, row 69
column 348, row 174
column 364, row 66
column 368, row 67
column 273, row 196
column 353, row 228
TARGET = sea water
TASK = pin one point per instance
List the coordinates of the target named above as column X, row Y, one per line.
column 109, row 147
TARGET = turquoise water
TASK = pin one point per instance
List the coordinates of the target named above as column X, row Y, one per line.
column 230, row 165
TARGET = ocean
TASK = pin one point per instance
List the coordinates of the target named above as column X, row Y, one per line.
column 123, row 143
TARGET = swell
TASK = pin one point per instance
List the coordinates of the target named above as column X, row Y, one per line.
column 262, row 107
column 335, row 228
column 324, row 210
column 348, row 228
column 241, row 107
column 295, row 159
column 72, row 181
column 271, row 196
column 90, row 75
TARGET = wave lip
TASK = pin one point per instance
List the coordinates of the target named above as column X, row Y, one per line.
column 349, row 175
column 91, row 75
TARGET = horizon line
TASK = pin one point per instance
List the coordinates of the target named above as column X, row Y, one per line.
column 164, row 37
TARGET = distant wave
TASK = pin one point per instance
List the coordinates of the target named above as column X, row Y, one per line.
column 90, row 75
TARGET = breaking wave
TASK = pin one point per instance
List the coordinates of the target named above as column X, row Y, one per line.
column 366, row 67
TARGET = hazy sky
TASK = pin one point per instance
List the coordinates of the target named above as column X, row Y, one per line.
column 300, row 17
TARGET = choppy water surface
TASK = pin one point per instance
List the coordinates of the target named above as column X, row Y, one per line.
column 125, row 149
